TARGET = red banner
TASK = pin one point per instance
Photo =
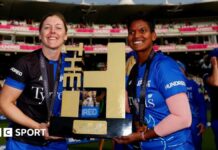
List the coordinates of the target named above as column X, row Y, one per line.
column 215, row 28
column 5, row 26
column 31, row 28
column 197, row 46
column 188, row 29
column 84, row 30
column 115, row 30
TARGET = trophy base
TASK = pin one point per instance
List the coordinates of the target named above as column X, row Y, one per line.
column 96, row 128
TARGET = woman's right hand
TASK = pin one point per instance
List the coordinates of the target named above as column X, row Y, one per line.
column 44, row 129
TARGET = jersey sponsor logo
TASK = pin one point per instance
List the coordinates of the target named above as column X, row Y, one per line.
column 39, row 94
column 175, row 83
column 18, row 72
column 135, row 103
column 149, row 103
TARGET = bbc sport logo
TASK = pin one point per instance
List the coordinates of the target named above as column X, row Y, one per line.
column 6, row 132
column 9, row 132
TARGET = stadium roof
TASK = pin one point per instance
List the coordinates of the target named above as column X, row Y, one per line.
column 105, row 14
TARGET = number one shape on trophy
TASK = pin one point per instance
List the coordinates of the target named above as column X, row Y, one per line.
column 113, row 79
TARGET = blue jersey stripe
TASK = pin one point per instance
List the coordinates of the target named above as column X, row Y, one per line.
column 13, row 83
column 55, row 64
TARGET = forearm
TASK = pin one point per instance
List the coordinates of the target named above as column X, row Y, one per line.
column 213, row 78
column 171, row 124
column 163, row 128
column 179, row 118
column 16, row 115
column 8, row 107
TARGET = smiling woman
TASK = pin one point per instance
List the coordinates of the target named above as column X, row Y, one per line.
column 156, row 94
column 53, row 34
column 29, row 95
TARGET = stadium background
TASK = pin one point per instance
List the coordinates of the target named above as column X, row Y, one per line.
column 185, row 32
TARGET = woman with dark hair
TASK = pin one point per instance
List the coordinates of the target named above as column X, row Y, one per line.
column 156, row 94
column 32, row 91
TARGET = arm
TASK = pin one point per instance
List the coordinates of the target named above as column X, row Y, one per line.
column 213, row 78
column 8, row 99
column 179, row 117
column 8, row 107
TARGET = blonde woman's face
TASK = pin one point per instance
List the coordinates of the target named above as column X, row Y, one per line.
column 53, row 33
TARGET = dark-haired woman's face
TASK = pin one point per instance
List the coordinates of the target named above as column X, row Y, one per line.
column 53, row 33
column 140, row 37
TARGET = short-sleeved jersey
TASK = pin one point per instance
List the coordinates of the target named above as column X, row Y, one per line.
column 197, row 102
column 26, row 75
column 164, row 80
